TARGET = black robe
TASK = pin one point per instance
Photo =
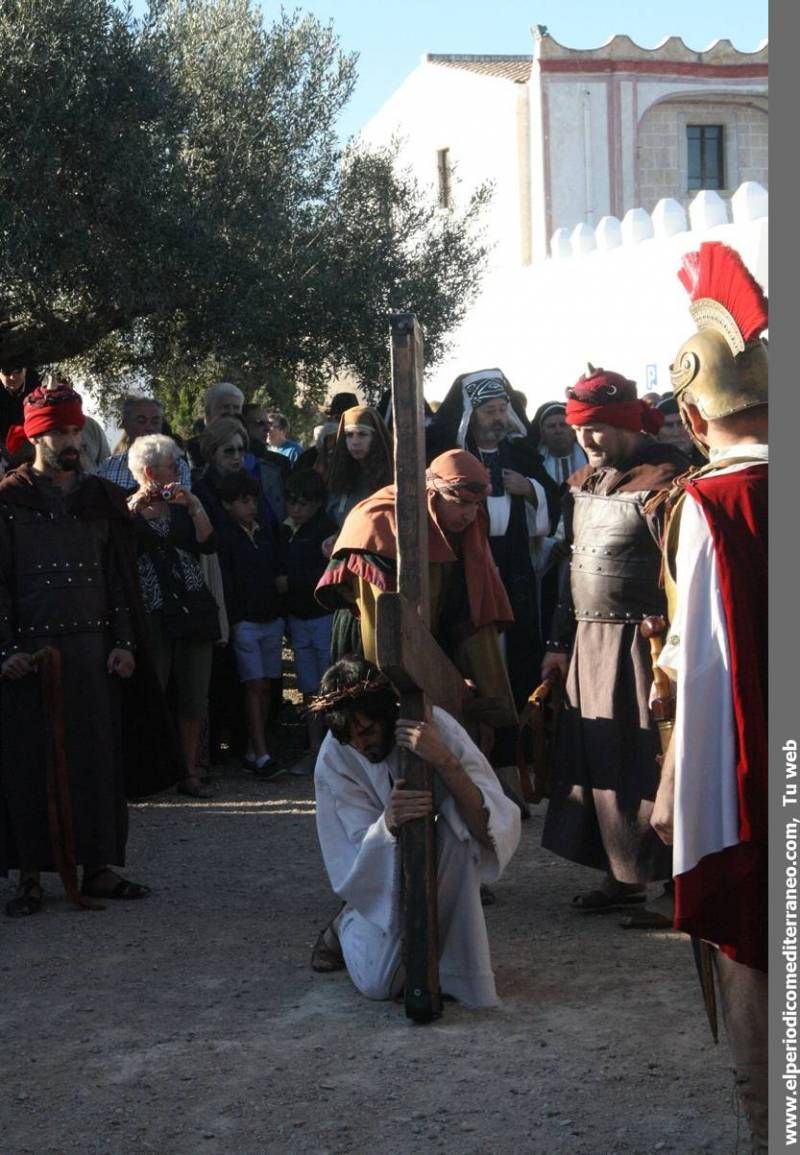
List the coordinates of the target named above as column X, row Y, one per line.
column 523, row 640
column 68, row 579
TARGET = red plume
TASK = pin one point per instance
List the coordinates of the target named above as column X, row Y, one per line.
column 718, row 272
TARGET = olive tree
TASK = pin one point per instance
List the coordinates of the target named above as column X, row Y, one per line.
column 175, row 204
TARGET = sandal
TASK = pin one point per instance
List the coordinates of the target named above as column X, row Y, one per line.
column 27, row 900
column 597, row 900
column 326, row 957
column 117, row 887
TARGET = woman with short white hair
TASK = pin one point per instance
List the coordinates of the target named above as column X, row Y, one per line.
column 172, row 530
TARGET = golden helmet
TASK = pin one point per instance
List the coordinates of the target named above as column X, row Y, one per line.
column 722, row 368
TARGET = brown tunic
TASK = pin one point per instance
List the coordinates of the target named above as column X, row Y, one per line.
column 606, row 773
column 63, row 583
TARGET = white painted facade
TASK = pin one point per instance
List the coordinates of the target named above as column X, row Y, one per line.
column 608, row 295
column 475, row 118
column 591, row 212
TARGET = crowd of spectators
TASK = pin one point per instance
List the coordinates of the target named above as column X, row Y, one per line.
column 234, row 529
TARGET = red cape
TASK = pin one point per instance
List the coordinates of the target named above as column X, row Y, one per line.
column 724, row 898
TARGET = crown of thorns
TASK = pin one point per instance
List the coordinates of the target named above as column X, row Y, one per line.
column 323, row 702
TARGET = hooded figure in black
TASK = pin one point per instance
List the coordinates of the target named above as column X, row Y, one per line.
column 479, row 415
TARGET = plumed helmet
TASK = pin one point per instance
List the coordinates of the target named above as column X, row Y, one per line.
column 722, row 368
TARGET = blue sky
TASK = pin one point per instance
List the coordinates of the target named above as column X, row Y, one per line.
column 390, row 37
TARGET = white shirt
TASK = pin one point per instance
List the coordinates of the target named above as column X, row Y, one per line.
column 697, row 656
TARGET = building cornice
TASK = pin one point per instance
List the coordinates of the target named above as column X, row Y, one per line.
column 672, row 56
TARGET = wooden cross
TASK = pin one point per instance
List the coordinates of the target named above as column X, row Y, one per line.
column 414, row 663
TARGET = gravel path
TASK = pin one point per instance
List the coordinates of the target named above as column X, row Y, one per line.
column 190, row 1022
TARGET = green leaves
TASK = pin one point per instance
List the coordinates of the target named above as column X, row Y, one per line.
column 174, row 204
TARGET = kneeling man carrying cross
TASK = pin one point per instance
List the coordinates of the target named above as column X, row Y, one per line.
column 362, row 805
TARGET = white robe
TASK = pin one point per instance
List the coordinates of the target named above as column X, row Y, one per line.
column 363, row 862
column 697, row 656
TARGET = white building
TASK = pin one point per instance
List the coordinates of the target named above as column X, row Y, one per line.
column 582, row 146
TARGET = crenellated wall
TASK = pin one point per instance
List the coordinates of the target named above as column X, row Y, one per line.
column 608, row 294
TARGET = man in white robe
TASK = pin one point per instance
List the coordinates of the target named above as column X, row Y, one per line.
column 361, row 805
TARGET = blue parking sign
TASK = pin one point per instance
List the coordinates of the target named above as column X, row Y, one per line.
column 651, row 377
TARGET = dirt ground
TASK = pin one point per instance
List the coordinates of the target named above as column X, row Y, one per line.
column 191, row 1023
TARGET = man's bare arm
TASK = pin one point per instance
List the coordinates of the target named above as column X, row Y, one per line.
column 425, row 740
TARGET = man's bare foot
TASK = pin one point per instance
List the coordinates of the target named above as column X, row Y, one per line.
column 327, row 953
column 103, row 882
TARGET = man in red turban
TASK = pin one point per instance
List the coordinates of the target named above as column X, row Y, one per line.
column 68, row 597
column 606, row 772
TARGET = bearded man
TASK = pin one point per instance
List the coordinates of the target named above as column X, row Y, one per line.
column 606, row 772
column 479, row 415
column 362, row 805
column 67, row 582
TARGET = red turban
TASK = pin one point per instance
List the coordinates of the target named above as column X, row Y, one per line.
column 605, row 398
column 47, row 409
column 15, row 440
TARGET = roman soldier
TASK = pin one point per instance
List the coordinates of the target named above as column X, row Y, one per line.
column 712, row 801
column 606, row 772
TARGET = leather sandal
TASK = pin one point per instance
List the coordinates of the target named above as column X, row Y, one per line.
column 118, row 887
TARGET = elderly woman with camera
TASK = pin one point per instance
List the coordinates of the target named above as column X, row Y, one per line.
column 172, row 531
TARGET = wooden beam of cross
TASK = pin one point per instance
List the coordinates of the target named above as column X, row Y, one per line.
column 416, row 666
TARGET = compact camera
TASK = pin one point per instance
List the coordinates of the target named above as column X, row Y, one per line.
column 166, row 494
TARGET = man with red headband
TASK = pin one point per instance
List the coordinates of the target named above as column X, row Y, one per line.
column 66, row 582
column 607, row 770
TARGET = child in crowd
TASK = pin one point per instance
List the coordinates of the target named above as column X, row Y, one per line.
column 302, row 565
column 248, row 554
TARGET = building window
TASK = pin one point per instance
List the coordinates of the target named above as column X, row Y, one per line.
column 706, row 168
column 444, row 175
